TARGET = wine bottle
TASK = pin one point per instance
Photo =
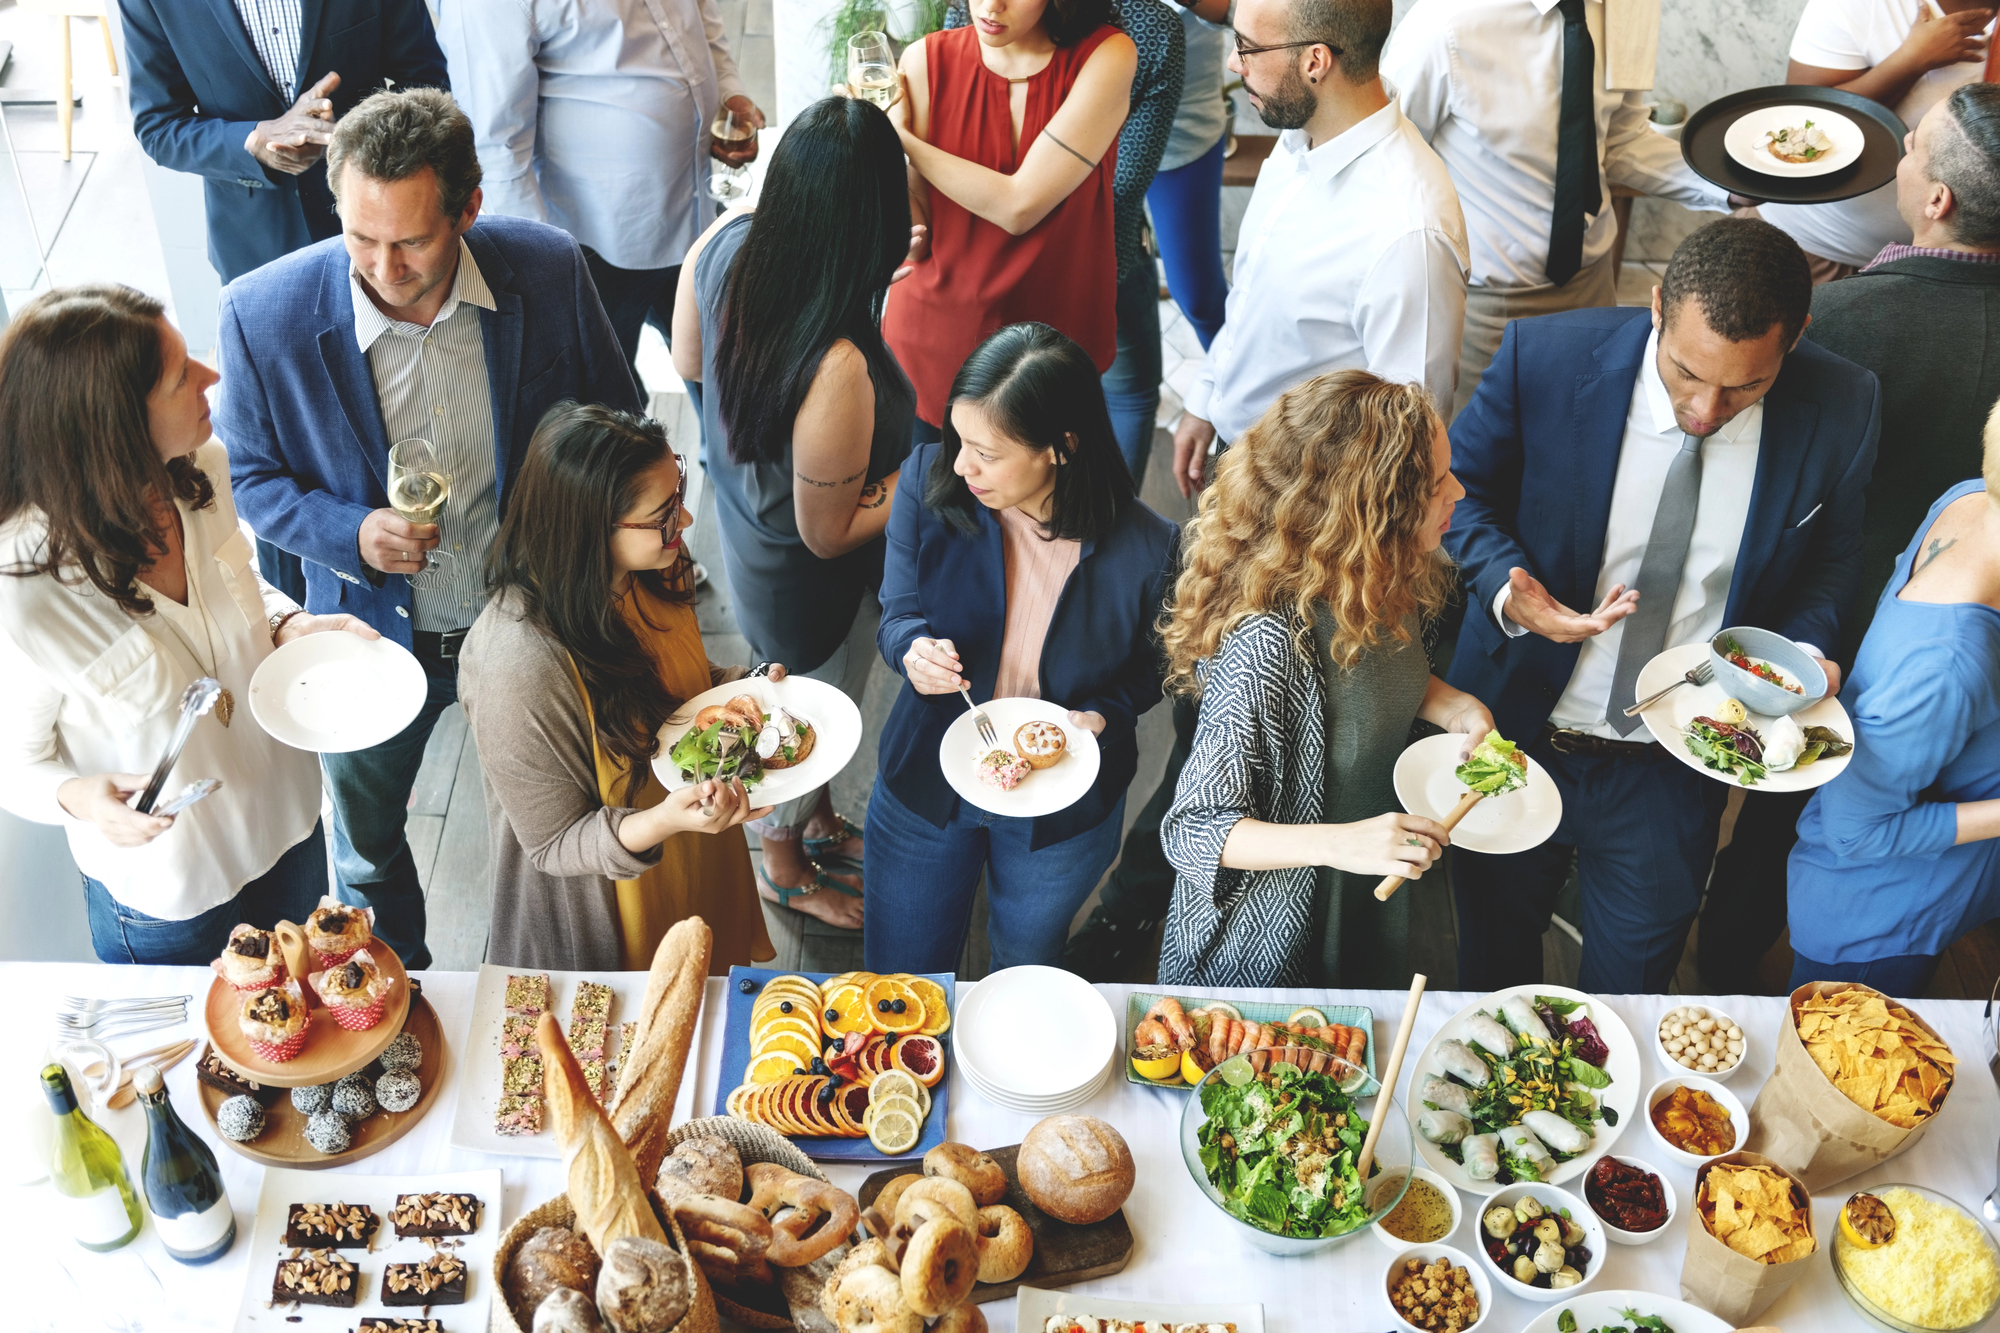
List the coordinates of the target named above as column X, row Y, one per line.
column 98, row 1206
column 183, row 1186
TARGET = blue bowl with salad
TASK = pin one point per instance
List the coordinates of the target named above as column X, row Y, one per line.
column 1273, row 1148
column 1767, row 672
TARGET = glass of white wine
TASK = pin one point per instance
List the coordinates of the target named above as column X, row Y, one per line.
column 871, row 69
column 419, row 488
column 735, row 136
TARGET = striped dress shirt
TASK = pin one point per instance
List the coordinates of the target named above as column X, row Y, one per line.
column 431, row 383
column 273, row 26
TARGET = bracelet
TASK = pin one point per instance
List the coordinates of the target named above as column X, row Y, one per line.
column 278, row 621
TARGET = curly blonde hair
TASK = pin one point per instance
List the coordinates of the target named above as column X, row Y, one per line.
column 1325, row 499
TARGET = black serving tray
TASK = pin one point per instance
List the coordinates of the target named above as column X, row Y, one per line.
column 1882, row 134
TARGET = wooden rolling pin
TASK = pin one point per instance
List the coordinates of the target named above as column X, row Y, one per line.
column 1389, row 1072
column 1390, row 883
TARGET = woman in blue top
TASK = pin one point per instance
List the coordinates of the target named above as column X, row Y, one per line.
column 1020, row 563
column 1896, row 857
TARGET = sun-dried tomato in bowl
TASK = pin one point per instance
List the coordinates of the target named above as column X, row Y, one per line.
column 1625, row 1196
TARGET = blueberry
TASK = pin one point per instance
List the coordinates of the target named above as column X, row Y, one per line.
column 834, row 1080
column 797, row 1070
column 826, row 1094
column 784, row 1006
column 882, row 1006
column 889, row 1041
column 746, row 985
column 833, row 1015
column 818, row 1065
column 900, row 1006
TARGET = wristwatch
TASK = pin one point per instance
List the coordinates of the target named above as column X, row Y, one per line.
column 278, row 620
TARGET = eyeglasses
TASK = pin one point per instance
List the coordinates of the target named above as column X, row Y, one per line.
column 665, row 524
column 1245, row 52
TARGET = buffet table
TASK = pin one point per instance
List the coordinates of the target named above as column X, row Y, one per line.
column 1181, row 1253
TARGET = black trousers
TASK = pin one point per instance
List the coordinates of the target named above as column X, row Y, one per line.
column 630, row 297
column 1745, row 910
column 1142, row 886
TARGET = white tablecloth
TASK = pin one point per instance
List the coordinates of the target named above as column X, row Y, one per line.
column 1181, row 1252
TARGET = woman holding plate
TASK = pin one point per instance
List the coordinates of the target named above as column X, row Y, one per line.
column 1021, row 563
column 1312, row 571
column 584, row 650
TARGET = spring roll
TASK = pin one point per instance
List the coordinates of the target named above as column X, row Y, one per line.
column 1526, row 1157
column 1446, row 1095
column 1521, row 1016
column 1486, row 1031
column 1458, row 1058
column 1558, row 1133
column 1443, row 1126
column 1481, row 1153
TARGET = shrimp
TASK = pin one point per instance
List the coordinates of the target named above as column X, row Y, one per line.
column 1218, row 1040
column 1168, row 1011
column 1318, row 1063
column 1150, row 1033
column 1253, row 1037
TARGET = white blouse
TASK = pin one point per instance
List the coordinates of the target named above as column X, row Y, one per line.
column 90, row 689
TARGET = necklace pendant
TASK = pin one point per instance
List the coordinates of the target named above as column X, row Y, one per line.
column 225, row 707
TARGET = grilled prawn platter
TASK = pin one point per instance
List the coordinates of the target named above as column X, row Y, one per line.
column 1171, row 1041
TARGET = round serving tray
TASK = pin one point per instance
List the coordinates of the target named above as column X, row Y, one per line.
column 1702, row 144
column 331, row 1051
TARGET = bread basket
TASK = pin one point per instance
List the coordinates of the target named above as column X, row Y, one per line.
column 753, row 1143
column 557, row 1212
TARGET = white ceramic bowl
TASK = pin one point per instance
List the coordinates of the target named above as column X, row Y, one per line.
column 1481, row 1284
column 1738, row 1116
column 1620, row 1237
column 1722, row 1020
column 1554, row 1201
column 1391, row 1180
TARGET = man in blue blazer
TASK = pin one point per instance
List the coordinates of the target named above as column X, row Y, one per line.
column 1672, row 475
column 415, row 324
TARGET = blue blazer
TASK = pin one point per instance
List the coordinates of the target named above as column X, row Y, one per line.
column 1537, row 451
column 198, row 89
column 308, row 453
column 1101, row 652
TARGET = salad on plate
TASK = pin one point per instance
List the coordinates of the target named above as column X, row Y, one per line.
column 1633, row 1322
column 1280, row 1148
column 739, row 739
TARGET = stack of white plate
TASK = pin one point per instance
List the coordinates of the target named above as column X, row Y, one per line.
column 1037, row 1040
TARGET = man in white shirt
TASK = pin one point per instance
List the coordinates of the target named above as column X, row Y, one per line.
column 1697, row 469
column 1352, row 252
column 1511, row 95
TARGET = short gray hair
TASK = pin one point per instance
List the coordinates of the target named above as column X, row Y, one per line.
column 392, row 136
column 1965, row 159
column 1356, row 28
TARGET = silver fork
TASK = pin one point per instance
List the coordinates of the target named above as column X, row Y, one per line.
column 82, row 1014
column 988, row 737
column 1698, row 675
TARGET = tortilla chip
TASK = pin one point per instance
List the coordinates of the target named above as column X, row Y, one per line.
column 1878, row 1055
column 1756, row 1212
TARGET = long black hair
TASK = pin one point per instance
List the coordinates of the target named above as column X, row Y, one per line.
column 581, row 476
column 830, row 229
column 1042, row 391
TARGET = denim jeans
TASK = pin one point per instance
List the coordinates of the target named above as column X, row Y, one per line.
column 288, row 891
column 1132, row 385
column 1906, row 977
column 921, row 879
column 1186, row 205
column 370, row 790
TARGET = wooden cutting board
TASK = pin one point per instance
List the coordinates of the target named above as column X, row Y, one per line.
column 1064, row 1254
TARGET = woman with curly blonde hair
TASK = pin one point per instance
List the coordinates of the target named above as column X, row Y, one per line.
column 1308, row 577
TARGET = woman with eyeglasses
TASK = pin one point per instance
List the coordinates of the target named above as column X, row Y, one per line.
column 583, row 651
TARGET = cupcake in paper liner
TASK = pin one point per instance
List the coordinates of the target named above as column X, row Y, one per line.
column 251, row 961
column 274, row 1020
column 335, row 930
column 355, row 992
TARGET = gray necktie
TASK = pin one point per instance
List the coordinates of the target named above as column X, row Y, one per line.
column 1659, row 581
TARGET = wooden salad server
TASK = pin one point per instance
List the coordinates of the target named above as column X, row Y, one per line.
column 1390, row 883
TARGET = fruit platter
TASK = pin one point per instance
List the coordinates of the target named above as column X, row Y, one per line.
column 850, row 1066
column 1172, row 1041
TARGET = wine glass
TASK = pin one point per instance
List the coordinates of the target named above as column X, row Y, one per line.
column 419, row 488
column 735, row 136
column 871, row 69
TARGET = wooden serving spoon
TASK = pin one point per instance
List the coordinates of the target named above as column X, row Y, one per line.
column 1390, row 883
column 1390, row 1070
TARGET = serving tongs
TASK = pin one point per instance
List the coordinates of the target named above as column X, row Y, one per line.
column 196, row 699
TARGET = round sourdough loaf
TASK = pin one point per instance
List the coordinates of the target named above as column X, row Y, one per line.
column 1076, row 1168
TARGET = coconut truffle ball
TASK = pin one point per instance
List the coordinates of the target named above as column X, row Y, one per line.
column 240, row 1119
column 354, row 1097
column 314, row 1099
column 398, row 1090
column 405, row 1052
column 328, row 1131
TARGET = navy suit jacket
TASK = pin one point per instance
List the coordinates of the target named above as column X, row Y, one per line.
column 308, row 453
column 1100, row 653
column 198, row 89
column 1537, row 451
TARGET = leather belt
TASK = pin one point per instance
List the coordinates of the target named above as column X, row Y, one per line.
column 1564, row 741
column 443, row 646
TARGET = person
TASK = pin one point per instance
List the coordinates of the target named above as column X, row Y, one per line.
column 1298, row 619
column 1903, row 317
column 1185, row 199
column 414, row 324
column 199, row 106
column 1906, row 54
column 809, row 418
column 1021, row 564
column 584, row 650
column 594, row 115
column 124, row 580
column 1353, row 251
column 1671, row 472
column 1512, row 95
column 1015, row 190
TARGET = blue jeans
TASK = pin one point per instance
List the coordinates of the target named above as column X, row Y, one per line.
column 370, row 790
column 288, row 891
column 1186, row 204
column 1907, row 977
column 920, row 881
column 1132, row 385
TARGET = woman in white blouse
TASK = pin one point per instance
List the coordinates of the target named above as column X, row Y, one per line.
column 123, row 577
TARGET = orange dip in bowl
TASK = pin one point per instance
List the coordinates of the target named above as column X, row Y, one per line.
column 1694, row 1122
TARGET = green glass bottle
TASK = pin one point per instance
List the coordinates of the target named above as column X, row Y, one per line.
column 183, row 1186
column 98, row 1205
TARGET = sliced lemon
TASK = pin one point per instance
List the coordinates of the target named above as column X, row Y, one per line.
column 1307, row 1018
column 1866, row 1222
column 892, row 1081
column 1222, row 1009
column 1191, row 1070
column 771, row 1067
column 1160, row 1067
column 894, row 1131
column 902, row 1099
column 937, row 1009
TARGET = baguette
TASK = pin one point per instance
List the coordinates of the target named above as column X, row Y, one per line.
column 604, row 1186
column 650, row 1069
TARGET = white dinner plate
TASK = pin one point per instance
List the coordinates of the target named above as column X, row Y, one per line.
column 1037, row 1307
column 1076, row 1032
column 834, row 718
column 1669, row 716
column 334, row 692
column 1511, row 822
column 1745, row 140
column 1045, row 790
column 1599, row 1308
column 1622, row 1096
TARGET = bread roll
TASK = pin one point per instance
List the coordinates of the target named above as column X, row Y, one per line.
column 644, row 1287
column 702, row 1165
column 649, row 1074
column 605, row 1187
column 567, row 1311
column 553, row 1259
column 1076, row 1168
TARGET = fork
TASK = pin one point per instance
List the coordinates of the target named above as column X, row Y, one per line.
column 988, row 737
column 82, row 1012
column 1697, row 675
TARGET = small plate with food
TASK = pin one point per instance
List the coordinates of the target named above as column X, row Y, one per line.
column 783, row 737
column 1043, row 763
column 1627, row 1312
column 1519, row 815
column 1719, row 736
column 1794, row 141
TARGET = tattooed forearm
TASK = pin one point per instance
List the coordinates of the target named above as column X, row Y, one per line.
column 1934, row 550
column 873, row 496
column 844, row 481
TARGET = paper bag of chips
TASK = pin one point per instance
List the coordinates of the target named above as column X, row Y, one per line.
column 1749, row 1236
column 1859, row 1078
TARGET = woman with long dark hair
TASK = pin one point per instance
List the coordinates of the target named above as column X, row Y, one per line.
column 124, row 578
column 1021, row 563
column 807, row 417
column 588, row 643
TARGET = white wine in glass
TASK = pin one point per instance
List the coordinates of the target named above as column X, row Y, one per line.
column 419, row 489
column 735, row 138
column 871, row 69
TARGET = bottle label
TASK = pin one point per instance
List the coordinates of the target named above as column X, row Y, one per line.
column 94, row 1219
column 191, row 1233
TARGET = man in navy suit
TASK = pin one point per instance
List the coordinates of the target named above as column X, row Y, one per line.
column 415, row 324
column 1675, row 474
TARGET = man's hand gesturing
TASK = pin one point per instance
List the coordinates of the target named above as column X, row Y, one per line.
column 1529, row 605
column 295, row 140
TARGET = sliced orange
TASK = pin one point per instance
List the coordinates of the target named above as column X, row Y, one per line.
column 781, row 1106
column 771, row 1067
column 799, row 1025
column 922, row 1058
column 734, row 1106
column 794, row 1047
column 849, row 1004
column 937, row 1009
column 883, row 997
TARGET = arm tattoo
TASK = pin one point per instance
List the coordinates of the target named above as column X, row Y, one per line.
column 1071, row 151
column 844, row 481
column 1936, row 549
column 873, row 496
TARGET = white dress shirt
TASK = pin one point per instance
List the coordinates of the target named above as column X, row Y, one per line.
column 90, row 689
column 1482, row 81
column 593, row 115
column 1351, row 255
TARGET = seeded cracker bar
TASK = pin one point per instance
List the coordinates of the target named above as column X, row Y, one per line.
column 528, row 995
column 593, row 1074
column 593, row 1000
column 377, row 1324
column 522, row 1075
column 517, row 1036
column 338, row 1226
column 626, row 1031
column 586, row 1038
column 518, row 1117
column 438, row 1280
column 315, row 1277
column 435, row 1214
